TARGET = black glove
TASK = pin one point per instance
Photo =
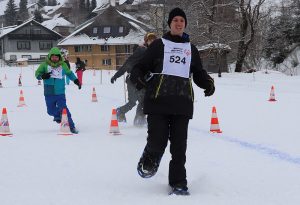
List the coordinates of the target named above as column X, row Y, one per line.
column 46, row 76
column 113, row 79
column 77, row 83
column 209, row 90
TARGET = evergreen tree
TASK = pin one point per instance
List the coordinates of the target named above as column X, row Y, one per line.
column 42, row 2
column 88, row 6
column 279, row 37
column 81, row 5
column 94, row 5
column 10, row 13
column 23, row 11
column 38, row 16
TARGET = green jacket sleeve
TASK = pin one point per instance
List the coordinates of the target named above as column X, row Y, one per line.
column 40, row 71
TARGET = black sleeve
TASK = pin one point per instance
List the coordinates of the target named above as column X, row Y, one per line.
column 200, row 76
column 146, row 63
column 121, row 71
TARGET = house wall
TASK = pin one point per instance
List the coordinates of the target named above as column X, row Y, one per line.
column 95, row 56
column 212, row 61
column 38, row 41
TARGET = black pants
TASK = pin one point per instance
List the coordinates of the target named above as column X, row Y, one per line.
column 162, row 128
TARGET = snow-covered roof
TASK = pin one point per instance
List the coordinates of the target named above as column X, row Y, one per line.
column 21, row 25
column 101, row 7
column 6, row 30
column 133, row 19
column 51, row 9
column 57, row 21
column 45, row 16
column 214, row 46
column 133, row 37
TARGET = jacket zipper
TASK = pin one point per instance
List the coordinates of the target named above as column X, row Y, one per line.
column 191, row 89
column 158, row 88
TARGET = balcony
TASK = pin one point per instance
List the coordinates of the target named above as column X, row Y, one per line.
column 32, row 37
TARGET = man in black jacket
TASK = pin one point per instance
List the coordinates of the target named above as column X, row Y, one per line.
column 173, row 62
column 133, row 94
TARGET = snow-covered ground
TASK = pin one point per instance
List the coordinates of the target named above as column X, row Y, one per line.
column 256, row 160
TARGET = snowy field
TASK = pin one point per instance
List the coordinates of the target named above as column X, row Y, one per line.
column 255, row 161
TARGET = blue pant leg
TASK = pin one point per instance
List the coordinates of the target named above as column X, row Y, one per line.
column 61, row 104
column 51, row 103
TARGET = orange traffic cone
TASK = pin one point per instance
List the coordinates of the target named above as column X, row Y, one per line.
column 4, row 124
column 214, row 124
column 20, row 82
column 94, row 95
column 1, row 84
column 114, row 126
column 21, row 100
column 64, row 125
column 39, row 82
column 272, row 95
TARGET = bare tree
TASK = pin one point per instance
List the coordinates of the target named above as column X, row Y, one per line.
column 250, row 15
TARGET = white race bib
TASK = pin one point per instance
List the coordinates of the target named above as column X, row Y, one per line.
column 177, row 58
column 55, row 72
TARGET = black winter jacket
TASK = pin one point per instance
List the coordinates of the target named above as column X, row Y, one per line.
column 167, row 94
column 131, row 61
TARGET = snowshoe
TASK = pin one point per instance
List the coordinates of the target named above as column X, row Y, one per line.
column 148, row 165
column 179, row 190
column 120, row 116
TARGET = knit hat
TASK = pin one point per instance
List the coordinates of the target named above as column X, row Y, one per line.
column 176, row 12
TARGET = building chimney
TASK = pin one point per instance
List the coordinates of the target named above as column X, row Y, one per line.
column 113, row 3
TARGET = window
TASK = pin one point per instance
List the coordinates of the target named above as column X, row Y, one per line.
column 23, row 45
column 26, row 56
column 211, row 60
column 45, row 45
column 106, row 29
column 121, row 29
column 42, row 57
column 95, row 30
column 104, row 47
column 127, row 48
column 83, row 48
column 13, row 57
column 106, row 62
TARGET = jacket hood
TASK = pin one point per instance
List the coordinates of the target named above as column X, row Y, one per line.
column 55, row 51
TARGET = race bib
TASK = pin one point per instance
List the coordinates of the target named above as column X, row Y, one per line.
column 55, row 72
column 177, row 58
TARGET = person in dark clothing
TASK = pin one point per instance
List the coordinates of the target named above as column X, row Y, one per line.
column 173, row 62
column 65, row 54
column 80, row 68
column 133, row 94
